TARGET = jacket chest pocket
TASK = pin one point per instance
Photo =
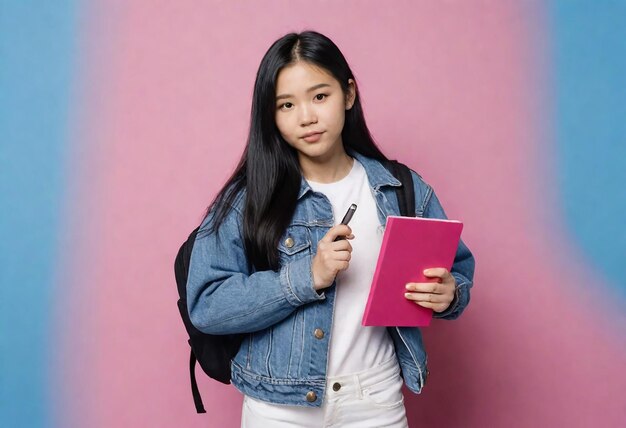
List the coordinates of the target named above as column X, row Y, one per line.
column 295, row 243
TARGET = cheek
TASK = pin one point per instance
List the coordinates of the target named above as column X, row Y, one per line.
column 337, row 118
column 281, row 124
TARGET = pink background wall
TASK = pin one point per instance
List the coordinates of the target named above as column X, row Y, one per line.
column 457, row 90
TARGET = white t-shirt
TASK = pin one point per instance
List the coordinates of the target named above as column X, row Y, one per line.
column 353, row 347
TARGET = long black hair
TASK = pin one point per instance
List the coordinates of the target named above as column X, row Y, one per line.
column 269, row 170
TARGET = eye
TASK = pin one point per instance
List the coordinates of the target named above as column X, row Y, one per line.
column 320, row 97
column 285, row 106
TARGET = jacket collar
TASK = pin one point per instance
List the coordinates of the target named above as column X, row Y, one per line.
column 377, row 174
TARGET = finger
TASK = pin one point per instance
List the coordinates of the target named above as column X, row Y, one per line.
column 436, row 273
column 425, row 287
column 436, row 307
column 417, row 297
column 339, row 231
column 428, row 305
column 342, row 245
column 426, row 297
column 341, row 265
column 343, row 256
column 343, row 235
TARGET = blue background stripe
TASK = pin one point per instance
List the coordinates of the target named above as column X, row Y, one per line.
column 590, row 82
column 37, row 42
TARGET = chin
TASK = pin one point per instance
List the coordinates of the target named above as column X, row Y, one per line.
column 315, row 150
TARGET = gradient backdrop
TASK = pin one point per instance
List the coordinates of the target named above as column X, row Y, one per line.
column 120, row 120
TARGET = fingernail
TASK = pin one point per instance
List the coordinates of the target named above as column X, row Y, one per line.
column 408, row 286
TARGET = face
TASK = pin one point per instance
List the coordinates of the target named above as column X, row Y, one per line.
column 310, row 111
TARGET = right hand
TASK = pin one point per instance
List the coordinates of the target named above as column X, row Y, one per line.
column 331, row 257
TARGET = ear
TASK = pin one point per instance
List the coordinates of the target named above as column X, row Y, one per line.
column 351, row 95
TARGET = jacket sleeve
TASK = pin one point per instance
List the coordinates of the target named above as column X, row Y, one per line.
column 463, row 265
column 223, row 297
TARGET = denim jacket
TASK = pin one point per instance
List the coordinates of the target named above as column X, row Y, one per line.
column 281, row 359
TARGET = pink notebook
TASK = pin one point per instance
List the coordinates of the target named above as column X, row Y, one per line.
column 410, row 245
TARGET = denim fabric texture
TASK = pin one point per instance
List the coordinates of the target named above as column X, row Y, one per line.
column 282, row 359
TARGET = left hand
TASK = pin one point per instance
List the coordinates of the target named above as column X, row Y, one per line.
column 434, row 295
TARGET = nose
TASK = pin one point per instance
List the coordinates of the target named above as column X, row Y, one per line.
column 307, row 115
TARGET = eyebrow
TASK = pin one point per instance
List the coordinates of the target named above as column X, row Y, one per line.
column 312, row 88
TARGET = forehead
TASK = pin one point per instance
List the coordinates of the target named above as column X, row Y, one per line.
column 300, row 76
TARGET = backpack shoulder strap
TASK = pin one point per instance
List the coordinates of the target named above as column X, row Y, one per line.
column 181, row 269
column 405, row 194
column 197, row 399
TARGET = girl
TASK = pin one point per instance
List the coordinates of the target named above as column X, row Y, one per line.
column 266, row 261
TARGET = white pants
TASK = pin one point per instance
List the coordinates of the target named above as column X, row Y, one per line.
column 372, row 398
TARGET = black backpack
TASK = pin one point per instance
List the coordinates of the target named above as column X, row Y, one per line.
column 214, row 352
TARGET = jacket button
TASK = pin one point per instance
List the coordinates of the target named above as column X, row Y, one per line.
column 319, row 334
column 311, row 396
column 336, row 386
column 289, row 242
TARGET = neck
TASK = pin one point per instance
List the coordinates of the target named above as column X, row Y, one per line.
column 328, row 169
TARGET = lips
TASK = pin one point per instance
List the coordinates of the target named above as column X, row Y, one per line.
column 312, row 137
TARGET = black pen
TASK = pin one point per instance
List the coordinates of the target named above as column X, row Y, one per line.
column 346, row 219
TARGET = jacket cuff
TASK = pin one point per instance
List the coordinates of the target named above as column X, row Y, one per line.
column 296, row 280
